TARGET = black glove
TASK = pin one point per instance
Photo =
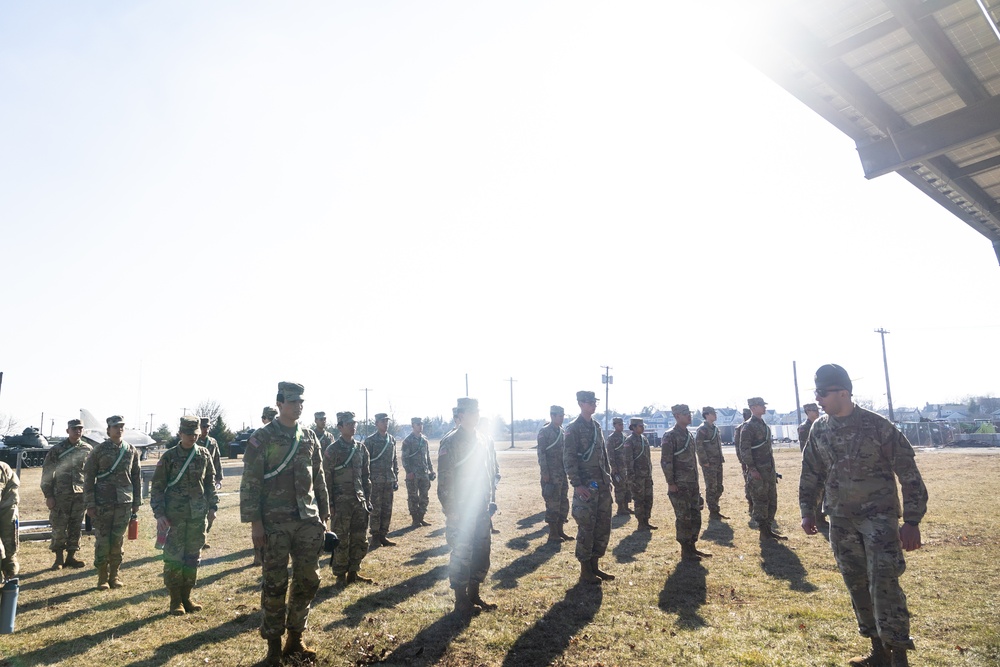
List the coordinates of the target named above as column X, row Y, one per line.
column 395, row 486
column 778, row 475
column 432, row 476
column 330, row 541
column 493, row 509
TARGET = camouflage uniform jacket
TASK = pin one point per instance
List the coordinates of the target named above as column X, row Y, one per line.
column 804, row 433
column 708, row 444
column 858, row 458
column 346, row 467
column 382, row 453
column 62, row 471
column 736, row 441
column 212, row 445
column 678, row 460
column 193, row 495
column 551, row 441
column 416, row 455
column 584, row 457
column 464, row 482
column 275, row 494
column 10, row 487
column 755, row 445
column 492, row 463
column 123, row 486
column 325, row 437
column 641, row 459
column 621, row 462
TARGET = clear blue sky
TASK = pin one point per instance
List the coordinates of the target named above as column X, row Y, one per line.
column 199, row 200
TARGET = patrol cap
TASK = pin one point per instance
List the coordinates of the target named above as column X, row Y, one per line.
column 832, row 375
column 379, row 416
column 74, row 423
column 635, row 421
column 467, row 404
column 416, row 421
column 319, row 415
column 680, row 409
column 268, row 412
column 115, row 420
column 204, row 421
column 617, row 420
column 755, row 400
column 189, row 424
column 747, row 414
column 345, row 417
column 707, row 409
column 291, row 391
column 586, row 397
column 810, row 406
column 556, row 410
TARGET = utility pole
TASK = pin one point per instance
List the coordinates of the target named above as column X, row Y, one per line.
column 466, row 385
column 798, row 410
column 885, row 363
column 512, row 381
column 607, row 380
column 150, row 423
column 41, row 424
column 52, row 427
column 366, row 390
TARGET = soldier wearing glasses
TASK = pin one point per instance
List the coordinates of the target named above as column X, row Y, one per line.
column 856, row 455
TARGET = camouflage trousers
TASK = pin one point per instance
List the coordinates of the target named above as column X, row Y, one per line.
column 109, row 533
column 555, row 493
column 350, row 522
column 764, row 496
column 182, row 551
column 417, row 491
column 302, row 543
column 381, row 500
column 687, row 516
column 871, row 561
column 642, row 493
column 713, row 485
column 65, row 519
column 468, row 535
column 9, row 542
column 593, row 523
column 623, row 489
column 746, row 488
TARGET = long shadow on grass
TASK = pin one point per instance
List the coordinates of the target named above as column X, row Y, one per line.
column 427, row 647
column 780, row 562
column 684, row 593
column 633, row 544
column 83, row 573
column 243, row 623
column 719, row 532
column 82, row 642
column 403, row 531
column 522, row 542
column 508, row 575
column 437, row 533
column 421, row 557
column 386, row 598
column 548, row 638
column 529, row 521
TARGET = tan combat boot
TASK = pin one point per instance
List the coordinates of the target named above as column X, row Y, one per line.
column 189, row 604
column 102, row 578
column 273, row 657
column 554, row 536
column 596, row 569
column 699, row 552
column 296, row 650
column 357, row 576
column 587, row 575
column 58, row 565
column 563, row 535
column 113, row 578
column 767, row 534
column 464, row 607
column 689, row 554
column 385, row 541
column 73, row 562
column 176, row 606
column 878, row 657
column 476, row 599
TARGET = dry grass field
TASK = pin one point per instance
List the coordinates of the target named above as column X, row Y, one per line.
column 781, row 604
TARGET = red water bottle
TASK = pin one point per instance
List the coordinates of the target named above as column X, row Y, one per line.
column 133, row 527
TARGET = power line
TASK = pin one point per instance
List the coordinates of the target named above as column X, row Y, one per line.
column 888, row 394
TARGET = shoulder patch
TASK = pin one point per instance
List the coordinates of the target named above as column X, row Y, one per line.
column 253, row 441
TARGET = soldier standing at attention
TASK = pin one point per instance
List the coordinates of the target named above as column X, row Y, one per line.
column 283, row 497
column 586, row 462
column 348, row 481
column 419, row 472
column 746, row 477
column 212, row 445
column 640, row 472
column 184, row 500
column 680, row 467
column 555, row 487
column 857, row 455
column 464, row 489
column 385, row 475
column 620, row 467
column 486, row 431
column 62, row 486
column 268, row 415
column 812, row 414
column 708, row 444
column 112, row 489
column 757, row 454
column 324, row 436
column 10, row 495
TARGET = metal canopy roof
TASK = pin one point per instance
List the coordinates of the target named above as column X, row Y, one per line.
column 915, row 84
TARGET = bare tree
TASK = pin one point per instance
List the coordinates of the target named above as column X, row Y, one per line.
column 8, row 425
column 210, row 408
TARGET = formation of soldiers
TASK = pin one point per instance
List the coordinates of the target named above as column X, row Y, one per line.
column 298, row 481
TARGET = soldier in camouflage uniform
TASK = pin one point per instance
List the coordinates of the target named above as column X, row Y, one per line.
column 708, row 444
column 619, row 467
column 283, row 496
column 184, row 500
column 381, row 448
column 62, row 486
column 586, row 462
column 212, row 445
column 464, row 488
column 268, row 415
column 812, row 414
column 680, row 468
column 856, row 455
column 640, row 472
column 324, row 435
column 10, row 495
column 348, row 481
column 112, row 490
column 745, row 472
column 494, row 465
column 419, row 472
column 555, row 487
column 756, row 452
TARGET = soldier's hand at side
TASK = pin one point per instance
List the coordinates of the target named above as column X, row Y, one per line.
column 50, row 503
column 754, row 474
column 909, row 537
column 582, row 492
column 672, row 488
column 545, row 478
column 211, row 516
column 92, row 512
column 257, row 534
column 809, row 525
column 162, row 523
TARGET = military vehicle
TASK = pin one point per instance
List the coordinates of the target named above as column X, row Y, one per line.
column 12, row 446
